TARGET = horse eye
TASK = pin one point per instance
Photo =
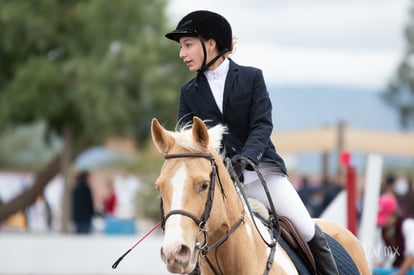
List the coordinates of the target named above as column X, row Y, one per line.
column 203, row 186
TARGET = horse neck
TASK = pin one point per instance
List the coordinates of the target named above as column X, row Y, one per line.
column 233, row 203
column 234, row 209
column 237, row 244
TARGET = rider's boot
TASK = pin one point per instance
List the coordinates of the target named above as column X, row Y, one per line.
column 325, row 262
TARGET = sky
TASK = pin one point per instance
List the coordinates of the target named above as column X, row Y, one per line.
column 355, row 43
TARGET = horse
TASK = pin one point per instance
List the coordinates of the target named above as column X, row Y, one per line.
column 204, row 219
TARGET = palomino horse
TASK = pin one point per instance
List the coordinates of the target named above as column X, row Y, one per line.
column 204, row 218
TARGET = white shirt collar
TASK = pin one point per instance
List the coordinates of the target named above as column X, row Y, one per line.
column 216, row 80
column 220, row 71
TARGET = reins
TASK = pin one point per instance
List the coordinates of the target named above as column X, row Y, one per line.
column 273, row 219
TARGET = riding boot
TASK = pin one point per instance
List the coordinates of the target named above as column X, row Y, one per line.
column 325, row 262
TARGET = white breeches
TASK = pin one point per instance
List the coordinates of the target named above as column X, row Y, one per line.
column 285, row 198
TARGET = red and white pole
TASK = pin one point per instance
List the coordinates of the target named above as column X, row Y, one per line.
column 352, row 215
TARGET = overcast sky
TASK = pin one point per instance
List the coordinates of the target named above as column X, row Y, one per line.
column 356, row 43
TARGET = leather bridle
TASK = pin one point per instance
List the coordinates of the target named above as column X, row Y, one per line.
column 205, row 247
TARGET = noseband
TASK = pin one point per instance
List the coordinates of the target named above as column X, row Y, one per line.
column 201, row 222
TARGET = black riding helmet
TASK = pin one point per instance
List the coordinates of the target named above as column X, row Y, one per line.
column 205, row 25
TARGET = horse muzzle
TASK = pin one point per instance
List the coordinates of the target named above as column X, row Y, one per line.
column 179, row 258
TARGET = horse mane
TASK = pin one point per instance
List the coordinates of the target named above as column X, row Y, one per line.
column 184, row 137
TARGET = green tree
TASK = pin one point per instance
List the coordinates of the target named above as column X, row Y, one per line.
column 88, row 69
column 25, row 147
column 400, row 91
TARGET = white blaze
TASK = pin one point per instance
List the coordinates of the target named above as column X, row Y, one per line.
column 173, row 237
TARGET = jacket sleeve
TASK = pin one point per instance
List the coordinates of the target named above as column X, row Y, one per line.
column 260, row 120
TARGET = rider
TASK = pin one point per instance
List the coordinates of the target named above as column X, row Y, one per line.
column 226, row 93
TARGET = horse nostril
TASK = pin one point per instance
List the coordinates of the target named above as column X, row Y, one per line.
column 184, row 254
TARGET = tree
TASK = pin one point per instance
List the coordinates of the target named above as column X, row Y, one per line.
column 88, row 69
column 25, row 147
column 400, row 92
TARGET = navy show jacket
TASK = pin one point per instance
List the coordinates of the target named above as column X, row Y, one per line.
column 247, row 113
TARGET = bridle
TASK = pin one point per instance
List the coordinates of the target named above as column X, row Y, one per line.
column 201, row 222
column 204, row 247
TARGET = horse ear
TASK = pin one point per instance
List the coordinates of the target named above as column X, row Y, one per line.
column 162, row 140
column 200, row 132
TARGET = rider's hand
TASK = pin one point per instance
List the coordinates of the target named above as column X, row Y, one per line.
column 239, row 164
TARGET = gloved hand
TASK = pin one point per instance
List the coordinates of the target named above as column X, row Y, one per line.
column 239, row 164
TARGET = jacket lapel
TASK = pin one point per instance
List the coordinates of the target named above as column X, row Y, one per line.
column 231, row 77
column 207, row 94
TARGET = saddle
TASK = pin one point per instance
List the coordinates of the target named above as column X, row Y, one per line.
column 297, row 249
column 295, row 241
column 288, row 233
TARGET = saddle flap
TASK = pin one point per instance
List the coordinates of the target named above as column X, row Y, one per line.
column 292, row 237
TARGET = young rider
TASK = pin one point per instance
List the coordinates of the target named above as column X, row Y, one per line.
column 224, row 92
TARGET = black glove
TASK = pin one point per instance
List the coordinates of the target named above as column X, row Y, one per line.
column 239, row 163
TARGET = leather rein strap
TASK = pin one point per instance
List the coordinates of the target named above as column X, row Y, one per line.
column 273, row 220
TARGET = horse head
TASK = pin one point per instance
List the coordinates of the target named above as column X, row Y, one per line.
column 188, row 181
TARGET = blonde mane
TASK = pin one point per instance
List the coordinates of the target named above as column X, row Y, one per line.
column 184, row 138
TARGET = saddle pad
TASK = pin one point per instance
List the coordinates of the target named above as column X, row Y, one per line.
column 295, row 257
column 343, row 260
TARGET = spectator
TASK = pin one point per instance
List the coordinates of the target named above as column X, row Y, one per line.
column 396, row 232
column 407, row 201
column 309, row 196
column 110, row 201
column 329, row 191
column 305, row 192
column 388, row 186
column 82, row 204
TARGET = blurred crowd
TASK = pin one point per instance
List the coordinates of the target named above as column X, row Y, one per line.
column 317, row 194
column 96, row 198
